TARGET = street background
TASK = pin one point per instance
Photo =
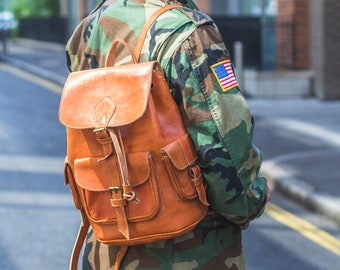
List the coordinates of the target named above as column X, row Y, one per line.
column 299, row 137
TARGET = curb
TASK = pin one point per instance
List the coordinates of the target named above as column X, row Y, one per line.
column 44, row 45
column 301, row 192
column 35, row 70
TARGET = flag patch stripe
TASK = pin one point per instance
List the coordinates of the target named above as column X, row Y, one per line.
column 224, row 74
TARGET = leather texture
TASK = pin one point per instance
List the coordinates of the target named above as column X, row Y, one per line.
column 130, row 163
column 131, row 192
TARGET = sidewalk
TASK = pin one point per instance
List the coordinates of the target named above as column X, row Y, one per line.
column 47, row 60
column 299, row 137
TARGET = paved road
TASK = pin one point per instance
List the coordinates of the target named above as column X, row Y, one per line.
column 300, row 139
column 41, row 222
column 38, row 220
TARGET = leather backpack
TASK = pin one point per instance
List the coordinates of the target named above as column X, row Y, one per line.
column 131, row 165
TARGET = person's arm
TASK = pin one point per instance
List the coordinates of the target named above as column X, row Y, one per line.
column 220, row 126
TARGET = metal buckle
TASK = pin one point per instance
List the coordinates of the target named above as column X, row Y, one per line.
column 100, row 129
column 115, row 188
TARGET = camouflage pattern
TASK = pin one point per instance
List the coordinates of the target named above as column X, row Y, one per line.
column 187, row 43
column 212, row 245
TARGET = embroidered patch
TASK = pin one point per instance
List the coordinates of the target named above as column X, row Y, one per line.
column 224, row 75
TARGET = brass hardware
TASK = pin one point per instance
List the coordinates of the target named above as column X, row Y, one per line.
column 115, row 188
column 130, row 196
column 100, row 129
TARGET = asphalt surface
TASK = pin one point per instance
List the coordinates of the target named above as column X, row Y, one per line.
column 299, row 136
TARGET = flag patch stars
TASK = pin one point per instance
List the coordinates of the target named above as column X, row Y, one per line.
column 224, row 74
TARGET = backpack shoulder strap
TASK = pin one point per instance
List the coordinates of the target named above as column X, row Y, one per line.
column 78, row 244
column 148, row 24
column 140, row 42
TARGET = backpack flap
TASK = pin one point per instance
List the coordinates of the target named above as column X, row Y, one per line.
column 106, row 97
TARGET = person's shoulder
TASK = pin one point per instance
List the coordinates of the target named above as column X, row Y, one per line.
column 186, row 15
column 196, row 16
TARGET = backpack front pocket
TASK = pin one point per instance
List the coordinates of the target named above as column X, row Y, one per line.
column 179, row 161
column 98, row 179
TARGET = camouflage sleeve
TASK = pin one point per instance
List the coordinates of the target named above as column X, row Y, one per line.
column 221, row 126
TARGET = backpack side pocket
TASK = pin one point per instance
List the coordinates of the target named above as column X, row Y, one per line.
column 69, row 179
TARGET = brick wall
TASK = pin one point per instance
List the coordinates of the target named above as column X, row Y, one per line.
column 325, row 44
column 292, row 35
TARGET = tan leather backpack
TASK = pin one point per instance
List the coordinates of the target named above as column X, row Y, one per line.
column 130, row 163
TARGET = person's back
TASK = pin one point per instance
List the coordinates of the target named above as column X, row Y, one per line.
column 197, row 67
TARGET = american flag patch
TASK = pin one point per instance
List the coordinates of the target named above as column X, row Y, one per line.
column 224, row 75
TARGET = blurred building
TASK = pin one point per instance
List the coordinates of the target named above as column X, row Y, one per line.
column 75, row 10
column 290, row 46
column 324, row 25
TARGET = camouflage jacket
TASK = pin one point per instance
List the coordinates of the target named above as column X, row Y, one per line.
column 197, row 66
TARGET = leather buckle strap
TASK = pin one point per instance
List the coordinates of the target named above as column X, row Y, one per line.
column 118, row 200
column 102, row 135
column 119, row 203
column 198, row 181
column 109, row 139
column 104, row 138
column 127, row 193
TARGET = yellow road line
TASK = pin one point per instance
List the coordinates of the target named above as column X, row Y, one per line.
column 305, row 228
column 33, row 78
